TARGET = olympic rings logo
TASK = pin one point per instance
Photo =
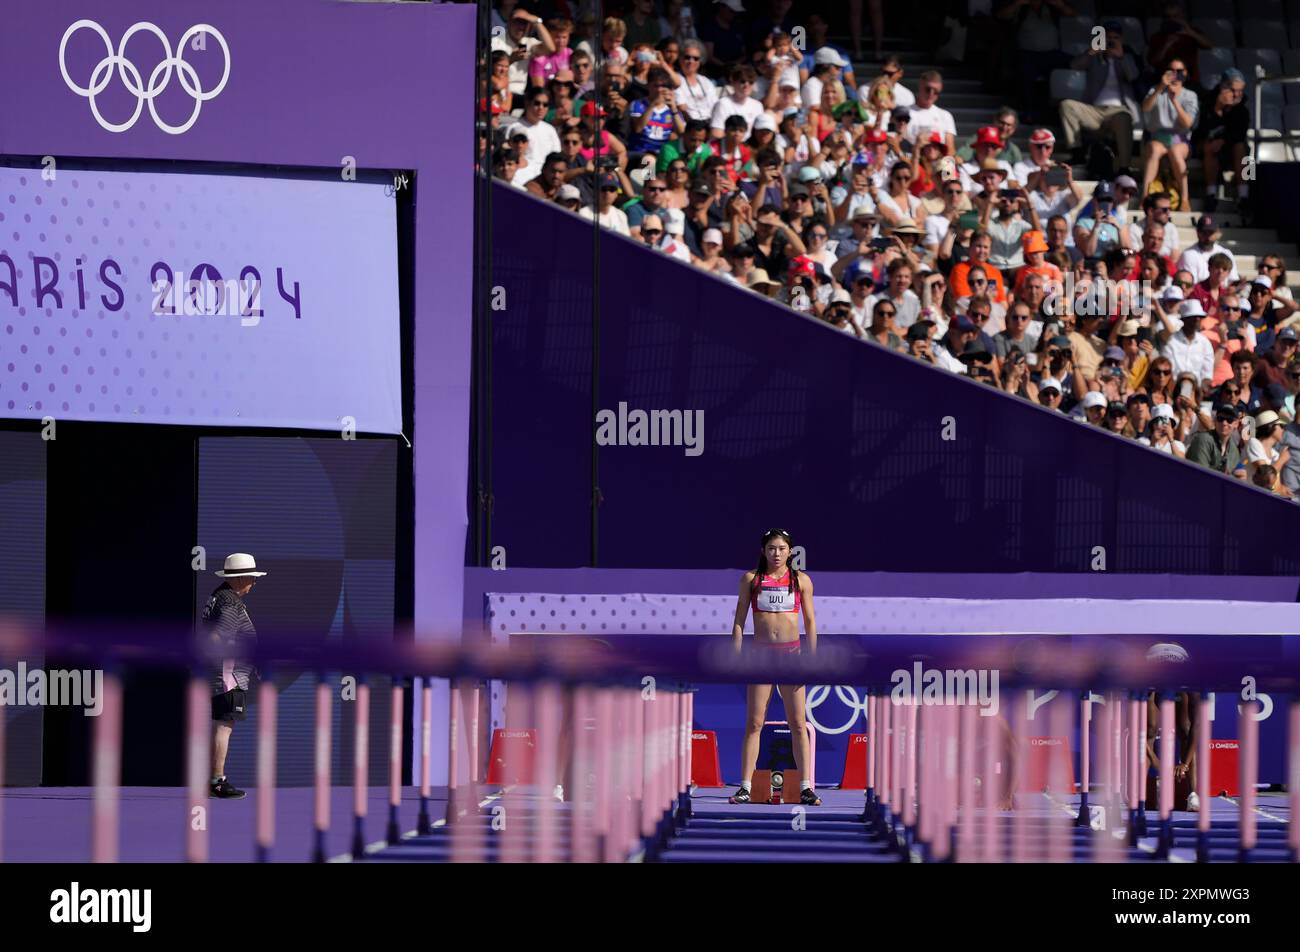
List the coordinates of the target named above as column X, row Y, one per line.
column 847, row 695
column 159, row 79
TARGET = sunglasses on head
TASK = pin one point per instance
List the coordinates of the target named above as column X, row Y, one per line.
column 776, row 532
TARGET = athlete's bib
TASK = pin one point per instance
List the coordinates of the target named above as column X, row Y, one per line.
column 775, row 599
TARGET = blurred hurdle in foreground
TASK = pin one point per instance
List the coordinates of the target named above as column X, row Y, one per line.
column 941, row 772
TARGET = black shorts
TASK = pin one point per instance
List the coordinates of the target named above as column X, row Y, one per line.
column 230, row 707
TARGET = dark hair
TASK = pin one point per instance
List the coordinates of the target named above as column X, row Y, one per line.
column 658, row 75
column 697, row 125
column 761, row 570
column 741, row 73
column 1265, row 476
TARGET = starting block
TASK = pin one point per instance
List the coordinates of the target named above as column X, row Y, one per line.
column 775, row 786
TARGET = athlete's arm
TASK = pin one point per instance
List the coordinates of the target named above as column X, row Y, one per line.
column 742, row 609
column 809, row 617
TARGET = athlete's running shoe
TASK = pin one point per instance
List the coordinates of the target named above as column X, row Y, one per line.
column 1193, row 802
column 808, row 797
column 740, row 796
column 223, row 789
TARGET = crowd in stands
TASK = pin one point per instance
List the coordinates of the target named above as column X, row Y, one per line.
column 734, row 136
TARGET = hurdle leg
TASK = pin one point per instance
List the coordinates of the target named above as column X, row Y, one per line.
column 688, row 730
column 1084, row 818
column 927, row 768
column 266, row 733
column 989, row 851
column 360, row 769
column 606, row 828
column 547, row 707
column 1248, row 731
column 1166, row 793
column 198, row 761
column 884, row 763
column 909, row 767
column 966, row 772
column 1060, row 714
column 1136, row 759
column 580, row 793
column 1203, row 779
column 1293, row 780
column 395, row 735
column 322, row 771
column 107, row 770
column 509, row 820
column 423, row 822
column 454, row 799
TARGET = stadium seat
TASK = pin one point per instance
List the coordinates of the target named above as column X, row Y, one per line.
column 1217, row 30
column 1068, row 84
column 1266, row 34
column 1134, row 39
column 1076, row 30
column 1212, row 62
column 1259, row 9
column 1291, row 119
column 1199, row 9
column 1248, row 58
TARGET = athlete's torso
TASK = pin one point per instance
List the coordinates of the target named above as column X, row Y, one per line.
column 776, row 609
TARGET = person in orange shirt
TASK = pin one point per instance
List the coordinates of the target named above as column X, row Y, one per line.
column 1035, row 247
column 980, row 247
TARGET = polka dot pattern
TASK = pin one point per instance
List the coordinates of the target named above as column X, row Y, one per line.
column 92, row 242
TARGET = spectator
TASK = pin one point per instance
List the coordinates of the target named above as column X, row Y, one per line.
column 691, row 149
column 612, row 34
column 1267, row 315
column 543, row 140
column 1139, row 414
column 1009, row 228
column 1000, row 133
column 681, row 20
column 501, row 100
column 927, row 116
column 569, row 197
column 736, row 103
column 979, row 311
column 505, row 165
column 1116, row 419
column 1060, row 241
column 757, row 280
column 655, row 120
column 978, row 363
column 1209, row 291
column 1265, row 448
column 883, row 321
column 1274, row 268
column 643, row 26
column 547, row 184
column 892, row 71
column 650, row 230
column 898, row 292
column 741, row 259
column 1049, row 393
column 1157, row 210
column 1034, row 249
column 938, row 223
column 1266, row 477
column 519, row 43
column 775, row 242
column 828, row 69
column 1169, row 111
column 696, row 93
column 544, row 67
column 650, row 203
column 608, row 215
column 1097, row 235
column 1160, row 432
column 674, row 242
column 677, row 175
column 981, row 246
column 1236, row 390
column 1187, row 349
column 839, row 313
column 1222, row 137
column 898, row 202
column 1175, row 39
column 815, row 238
column 1048, row 197
column 1107, row 106
column 562, row 92
column 711, row 258
column 1215, row 449
column 918, row 341
column 1196, row 259
column 1086, row 347
column 987, row 146
column 949, row 348
column 1015, row 378
column 584, row 80
column 1092, row 408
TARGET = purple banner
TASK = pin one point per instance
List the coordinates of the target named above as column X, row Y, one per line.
column 204, row 299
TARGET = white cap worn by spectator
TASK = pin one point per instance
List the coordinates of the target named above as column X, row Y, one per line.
column 569, row 193
column 1191, row 308
column 1263, row 280
column 712, row 236
column 765, row 121
column 840, row 296
column 827, row 56
column 1162, row 411
column 808, row 174
column 1171, row 293
column 734, row 5
column 675, row 226
column 1093, row 398
column 1049, row 383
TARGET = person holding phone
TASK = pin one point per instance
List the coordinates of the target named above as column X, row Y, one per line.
column 1170, row 111
column 1098, row 234
column 1106, row 106
column 1222, row 134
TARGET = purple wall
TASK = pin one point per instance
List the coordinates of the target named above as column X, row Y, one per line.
column 311, row 82
column 837, row 440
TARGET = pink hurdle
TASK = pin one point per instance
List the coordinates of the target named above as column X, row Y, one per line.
column 1248, row 731
column 1293, row 780
column 322, row 772
column 360, row 769
column 198, row 765
column 547, row 719
column 107, row 770
column 395, row 735
column 966, row 798
column 266, row 727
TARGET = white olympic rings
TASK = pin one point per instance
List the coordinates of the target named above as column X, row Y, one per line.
column 159, row 79
column 846, row 694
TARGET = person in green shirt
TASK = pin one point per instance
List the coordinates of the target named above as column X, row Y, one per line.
column 692, row 146
column 1215, row 449
column 1007, row 121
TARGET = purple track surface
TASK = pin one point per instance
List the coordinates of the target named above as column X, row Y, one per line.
column 53, row 825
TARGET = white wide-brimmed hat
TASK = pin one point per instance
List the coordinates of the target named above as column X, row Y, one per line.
column 240, row 564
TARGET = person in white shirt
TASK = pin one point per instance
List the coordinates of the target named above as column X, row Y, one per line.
column 1160, row 432
column 610, row 217
column 907, row 305
column 518, row 41
column 675, row 227
column 542, row 137
column 1157, row 208
column 696, row 93
column 737, row 103
column 892, row 70
column 1196, row 259
column 829, row 68
column 1187, row 349
column 926, row 114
